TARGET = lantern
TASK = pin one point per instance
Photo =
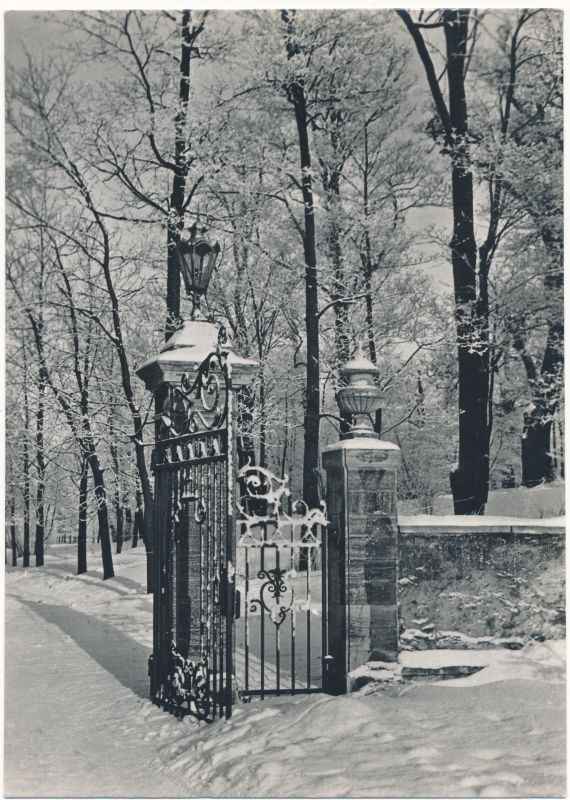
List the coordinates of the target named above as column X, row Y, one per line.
column 196, row 260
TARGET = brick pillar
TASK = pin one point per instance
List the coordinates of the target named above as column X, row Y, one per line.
column 362, row 555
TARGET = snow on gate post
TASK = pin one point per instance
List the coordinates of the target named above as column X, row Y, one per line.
column 362, row 539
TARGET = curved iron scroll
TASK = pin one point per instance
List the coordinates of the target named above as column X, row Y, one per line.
column 263, row 485
column 189, row 682
column 200, row 404
column 275, row 595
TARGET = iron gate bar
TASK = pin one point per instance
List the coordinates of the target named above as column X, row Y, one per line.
column 293, row 619
column 230, row 560
column 278, row 627
column 246, row 621
column 324, row 606
column 263, row 619
column 308, row 618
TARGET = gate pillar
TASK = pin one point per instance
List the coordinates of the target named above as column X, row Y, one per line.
column 362, row 541
column 194, row 380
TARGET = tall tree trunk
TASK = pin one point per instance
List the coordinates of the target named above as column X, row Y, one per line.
column 332, row 188
column 537, row 462
column 297, row 97
column 26, row 470
column 555, row 459
column 470, row 478
column 119, row 518
column 137, row 527
column 178, row 201
column 82, row 522
column 331, row 185
column 285, row 436
column 117, row 494
column 262, row 417
column 147, row 516
column 41, row 468
column 368, row 270
column 367, row 255
column 13, row 538
column 561, row 439
column 245, row 447
column 147, row 519
column 178, row 185
column 312, row 397
column 102, row 513
column 536, row 450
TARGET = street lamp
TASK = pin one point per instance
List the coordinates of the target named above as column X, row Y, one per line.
column 196, row 260
column 360, row 396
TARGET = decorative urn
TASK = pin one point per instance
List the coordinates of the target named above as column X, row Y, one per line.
column 360, row 396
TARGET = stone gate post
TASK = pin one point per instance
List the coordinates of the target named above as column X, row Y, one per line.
column 362, row 539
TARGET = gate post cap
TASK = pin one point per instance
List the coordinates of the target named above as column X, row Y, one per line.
column 187, row 348
column 361, row 443
column 361, row 452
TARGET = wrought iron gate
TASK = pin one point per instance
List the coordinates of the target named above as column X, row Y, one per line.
column 192, row 663
column 282, row 631
column 281, row 635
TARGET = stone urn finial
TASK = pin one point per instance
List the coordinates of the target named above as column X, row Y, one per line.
column 360, row 397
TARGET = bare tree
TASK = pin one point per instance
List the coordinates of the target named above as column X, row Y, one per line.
column 471, row 264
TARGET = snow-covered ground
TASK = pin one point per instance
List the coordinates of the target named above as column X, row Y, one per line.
column 544, row 500
column 78, row 721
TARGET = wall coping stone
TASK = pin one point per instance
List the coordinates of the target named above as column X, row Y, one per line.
column 361, row 443
column 451, row 525
column 186, row 350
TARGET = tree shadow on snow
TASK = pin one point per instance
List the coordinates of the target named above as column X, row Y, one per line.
column 111, row 584
column 120, row 654
column 129, row 583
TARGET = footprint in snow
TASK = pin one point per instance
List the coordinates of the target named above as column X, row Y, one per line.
column 424, row 752
column 495, row 790
column 487, row 754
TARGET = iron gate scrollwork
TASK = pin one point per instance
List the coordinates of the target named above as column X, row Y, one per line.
column 284, row 603
column 192, row 663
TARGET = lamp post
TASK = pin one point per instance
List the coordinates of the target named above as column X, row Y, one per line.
column 360, row 397
column 196, row 259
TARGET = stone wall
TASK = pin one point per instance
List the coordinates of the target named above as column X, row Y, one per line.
column 497, row 580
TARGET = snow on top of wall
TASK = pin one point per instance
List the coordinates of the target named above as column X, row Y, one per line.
column 361, row 443
column 544, row 500
column 491, row 523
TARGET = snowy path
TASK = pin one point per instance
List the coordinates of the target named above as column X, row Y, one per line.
column 67, row 730
column 78, row 721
